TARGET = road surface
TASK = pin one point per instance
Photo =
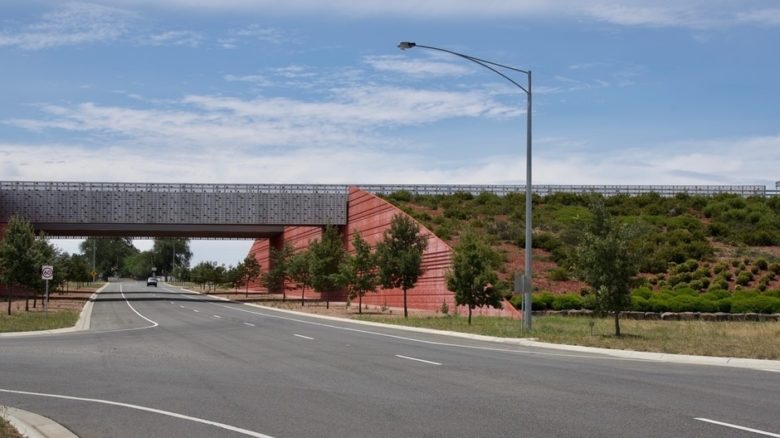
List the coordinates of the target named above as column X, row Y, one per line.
column 162, row 362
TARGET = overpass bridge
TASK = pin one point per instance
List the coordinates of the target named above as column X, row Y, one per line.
column 78, row 209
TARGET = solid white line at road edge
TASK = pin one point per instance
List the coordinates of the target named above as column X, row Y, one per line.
column 418, row 360
column 145, row 409
column 734, row 426
column 304, row 337
column 154, row 324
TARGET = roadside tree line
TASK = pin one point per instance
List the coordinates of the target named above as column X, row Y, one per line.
column 325, row 266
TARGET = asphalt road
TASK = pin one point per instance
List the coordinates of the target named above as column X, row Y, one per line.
column 159, row 362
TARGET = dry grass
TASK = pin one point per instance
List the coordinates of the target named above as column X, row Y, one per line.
column 758, row 340
column 8, row 431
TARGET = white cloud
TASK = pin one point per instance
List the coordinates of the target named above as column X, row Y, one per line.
column 752, row 160
column 173, row 38
column 697, row 14
column 767, row 17
column 350, row 116
column 72, row 24
column 415, row 67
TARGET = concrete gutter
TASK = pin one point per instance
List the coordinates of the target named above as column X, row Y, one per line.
column 81, row 324
column 755, row 364
column 32, row 425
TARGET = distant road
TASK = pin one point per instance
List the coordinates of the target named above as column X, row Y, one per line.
column 159, row 362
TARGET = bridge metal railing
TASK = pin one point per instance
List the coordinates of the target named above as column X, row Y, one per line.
column 607, row 190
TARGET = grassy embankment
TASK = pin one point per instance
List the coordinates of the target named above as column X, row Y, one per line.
column 758, row 340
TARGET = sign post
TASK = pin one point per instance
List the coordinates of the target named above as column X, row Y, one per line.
column 47, row 273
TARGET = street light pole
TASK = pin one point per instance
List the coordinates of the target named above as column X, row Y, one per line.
column 527, row 283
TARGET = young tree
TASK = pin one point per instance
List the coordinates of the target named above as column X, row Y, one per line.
column 359, row 273
column 608, row 259
column 399, row 255
column 277, row 272
column 18, row 259
column 472, row 275
column 327, row 255
column 299, row 270
column 235, row 275
column 251, row 271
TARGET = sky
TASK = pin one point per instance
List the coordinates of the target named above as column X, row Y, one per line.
column 308, row 91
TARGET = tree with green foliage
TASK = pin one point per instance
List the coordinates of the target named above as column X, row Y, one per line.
column 299, row 270
column 277, row 271
column 608, row 259
column 235, row 275
column 168, row 252
column 327, row 256
column 399, row 255
column 359, row 273
column 472, row 275
column 109, row 253
column 251, row 271
column 17, row 262
column 209, row 274
column 76, row 268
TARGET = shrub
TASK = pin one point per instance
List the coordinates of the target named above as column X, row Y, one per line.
column 762, row 264
column 640, row 304
column 774, row 267
column 566, row 302
column 558, row 274
column 542, row 301
column 756, row 304
column 642, row 292
column 754, row 269
column 719, row 284
column 658, row 304
column 718, row 268
column 744, row 278
column 400, row 196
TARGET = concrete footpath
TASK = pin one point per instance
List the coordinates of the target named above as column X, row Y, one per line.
column 32, row 425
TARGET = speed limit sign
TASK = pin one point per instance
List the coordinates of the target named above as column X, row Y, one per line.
column 47, row 272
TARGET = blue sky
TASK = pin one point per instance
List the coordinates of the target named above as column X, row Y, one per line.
column 305, row 91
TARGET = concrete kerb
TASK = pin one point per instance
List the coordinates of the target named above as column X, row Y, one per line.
column 756, row 364
column 32, row 425
column 83, row 322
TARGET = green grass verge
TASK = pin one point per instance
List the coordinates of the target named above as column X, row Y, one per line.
column 32, row 321
column 758, row 340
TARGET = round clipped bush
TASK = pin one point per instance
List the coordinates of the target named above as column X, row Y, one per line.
column 762, row 264
column 744, row 278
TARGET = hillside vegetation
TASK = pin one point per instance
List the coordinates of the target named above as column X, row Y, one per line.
column 717, row 253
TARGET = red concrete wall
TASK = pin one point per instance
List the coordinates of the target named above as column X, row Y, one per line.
column 371, row 216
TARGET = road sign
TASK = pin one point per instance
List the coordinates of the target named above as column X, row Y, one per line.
column 93, row 274
column 47, row 272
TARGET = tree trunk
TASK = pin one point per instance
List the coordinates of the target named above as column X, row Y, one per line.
column 26, row 303
column 303, row 291
column 247, row 289
column 360, row 304
column 617, row 323
column 327, row 300
column 8, row 294
column 469, row 315
column 406, row 311
column 35, row 300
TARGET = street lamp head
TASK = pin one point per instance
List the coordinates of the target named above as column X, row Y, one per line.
column 403, row 45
